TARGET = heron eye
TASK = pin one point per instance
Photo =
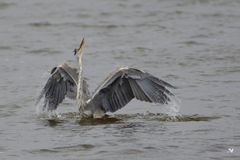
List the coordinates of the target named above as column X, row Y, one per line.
column 53, row 70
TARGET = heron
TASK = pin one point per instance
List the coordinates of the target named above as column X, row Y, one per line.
column 116, row 91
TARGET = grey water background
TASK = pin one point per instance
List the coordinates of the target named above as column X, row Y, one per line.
column 192, row 44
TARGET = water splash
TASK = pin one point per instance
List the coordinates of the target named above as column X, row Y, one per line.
column 42, row 108
column 173, row 107
column 170, row 114
column 42, row 111
column 39, row 107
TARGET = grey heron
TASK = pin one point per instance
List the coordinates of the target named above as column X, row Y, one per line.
column 117, row 90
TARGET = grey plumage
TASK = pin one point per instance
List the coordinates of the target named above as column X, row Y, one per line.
column 117, row 90
column 125, row 84
column 62, row 83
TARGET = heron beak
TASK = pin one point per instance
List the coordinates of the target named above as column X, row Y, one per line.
column 78, row 51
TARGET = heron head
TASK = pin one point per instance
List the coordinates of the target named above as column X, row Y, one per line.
column 78, row 51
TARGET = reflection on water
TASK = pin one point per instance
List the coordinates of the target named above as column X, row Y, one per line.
column 118, row 118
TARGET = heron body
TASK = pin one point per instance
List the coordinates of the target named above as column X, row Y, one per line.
column 117, row 90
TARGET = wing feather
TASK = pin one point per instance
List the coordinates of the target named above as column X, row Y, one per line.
column 153, row 91
column 138, row 91
column 59, row 85
column 123, row 85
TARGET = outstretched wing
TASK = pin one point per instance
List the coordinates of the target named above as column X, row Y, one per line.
column 128, row 83
column 61, row 83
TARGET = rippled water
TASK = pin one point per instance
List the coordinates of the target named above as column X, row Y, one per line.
column 192, row 44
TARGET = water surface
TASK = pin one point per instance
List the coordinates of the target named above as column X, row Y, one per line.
column 192, row 44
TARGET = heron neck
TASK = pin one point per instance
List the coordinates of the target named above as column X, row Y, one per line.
column 80, row 99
